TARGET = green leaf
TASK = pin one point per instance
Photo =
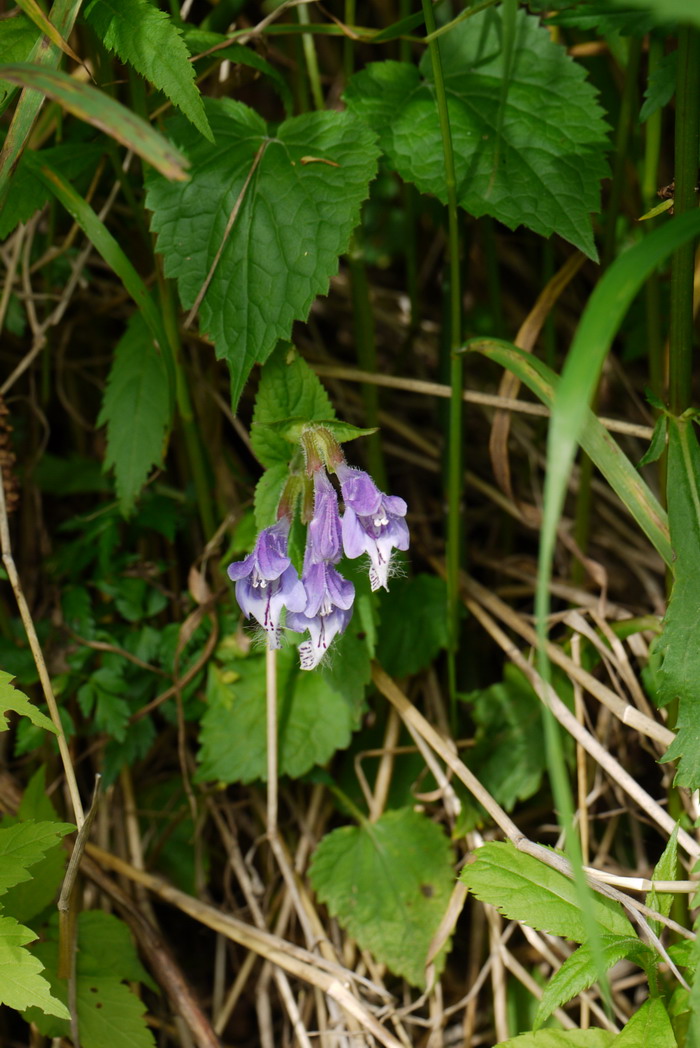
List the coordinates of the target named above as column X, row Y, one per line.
column 136, row 410
column 103, row 699
column 560, row 1039
column 666, row 10
column 291, row 200
column 525, row 889
column 666, row 869
column 22, row 984
column 99, row 109
column 107, row 948
column 533, row 156
column 388, row 883
column 677, row 675
column 288, row 389
column 23, row 845
column 596, row 15
column 17, row 701
column 414, row 624
column 18, row 36
column 315, row 720
column 199, row 40
column 661, row 87
column 268, row 492
column 657, row 445
column 581, row 970
column 650, row 1025
column 146, row 39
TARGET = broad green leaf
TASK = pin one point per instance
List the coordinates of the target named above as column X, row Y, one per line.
column 136, row 410
column 315, row 720
column 533, row 156
column 22, row 984
column 581, row 970
column 23, row 845
column 560, row 1039
column 260, row 226
column 103, row 112
column 288, row 389
column 147, row 39
column 17, row 701
column 199, row 41
column 388, row 883
column 268, row 491
column 649, row 1026
column 414, row 624
column 666, row 869
column 525, row 889
column 661, row 87
column 595, row 440
column 107, row 948
column 677, row 675
column 17, row 38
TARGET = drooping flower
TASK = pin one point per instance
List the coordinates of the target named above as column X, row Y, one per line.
column 328, row 610
column 267, row 581
column 324, row 534
column 373, row 522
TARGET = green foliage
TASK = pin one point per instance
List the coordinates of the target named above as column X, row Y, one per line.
column 677, row 675
column 22, row 980
column 108, row 1012
column 146, row 38
column 661, row 87
column 23, row 845
column 650, row 1025
column 199, row 41
column 388, row 882
column 513, row 147
column 414, row 615
column 14, row 700
column 288, row 389
column 525, row 889
column 18, row 36
column 317, row 713
column 560, row 1039
column 136, row 410
column 666, row 869
column 261, row 223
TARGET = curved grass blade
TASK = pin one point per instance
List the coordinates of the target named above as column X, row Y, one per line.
column 103, row 112
column 33, row 11
column 595, row 440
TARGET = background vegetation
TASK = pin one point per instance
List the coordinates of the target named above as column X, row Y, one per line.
column 467, row 231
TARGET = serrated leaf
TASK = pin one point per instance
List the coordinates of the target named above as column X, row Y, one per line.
column 136, row 410
column 650, row 1025
column 146, row 38
column 581, row 970
column 661, row 87
column 23, row 845
column 315, row 720
column 17, row 701
column 560, row 1039
column 679, row 671
column 292, row 221
column 532, row 155
column 289, row 389
column 414, row 624
column 18, row 36
column 388, row 883
column 22, row 984
column 524, row 889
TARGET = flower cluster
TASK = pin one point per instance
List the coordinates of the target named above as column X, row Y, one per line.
column 321, row 601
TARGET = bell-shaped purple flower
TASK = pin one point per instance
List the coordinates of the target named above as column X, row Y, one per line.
column 373, row 522
column 324, row 536
column 267, row 582
column 328, row 610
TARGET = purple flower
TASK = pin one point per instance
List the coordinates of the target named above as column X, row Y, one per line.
column 328, row 609
column 266, row 581
column 324, row 536
column 373, row 523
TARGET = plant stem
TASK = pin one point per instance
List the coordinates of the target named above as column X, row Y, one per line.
column 310, row 58
column 454, row 452
column 686, row 174
column 628, row 109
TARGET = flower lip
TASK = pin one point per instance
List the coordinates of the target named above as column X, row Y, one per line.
column 269, row 557
column 329, row 599
column 267, row 582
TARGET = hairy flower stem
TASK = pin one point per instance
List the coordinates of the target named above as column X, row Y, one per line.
column 686, row 174
column 454, row 452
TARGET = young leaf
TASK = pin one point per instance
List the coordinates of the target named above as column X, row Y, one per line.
column 11, row 699
column 650, row 1025
column 414, row 624
column 525, row 889
column 288, row 389
column 560, row 1039
column 22, row 984
column 388, row 882
column 657, row 445
column 666, row 869
column 315, row 720
column 678, row 672
column 146, row 38
column 136, row 410
column 661, row 87
column 25, row 844
column 581, row 970
column 258, row 230
column 513, row 150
